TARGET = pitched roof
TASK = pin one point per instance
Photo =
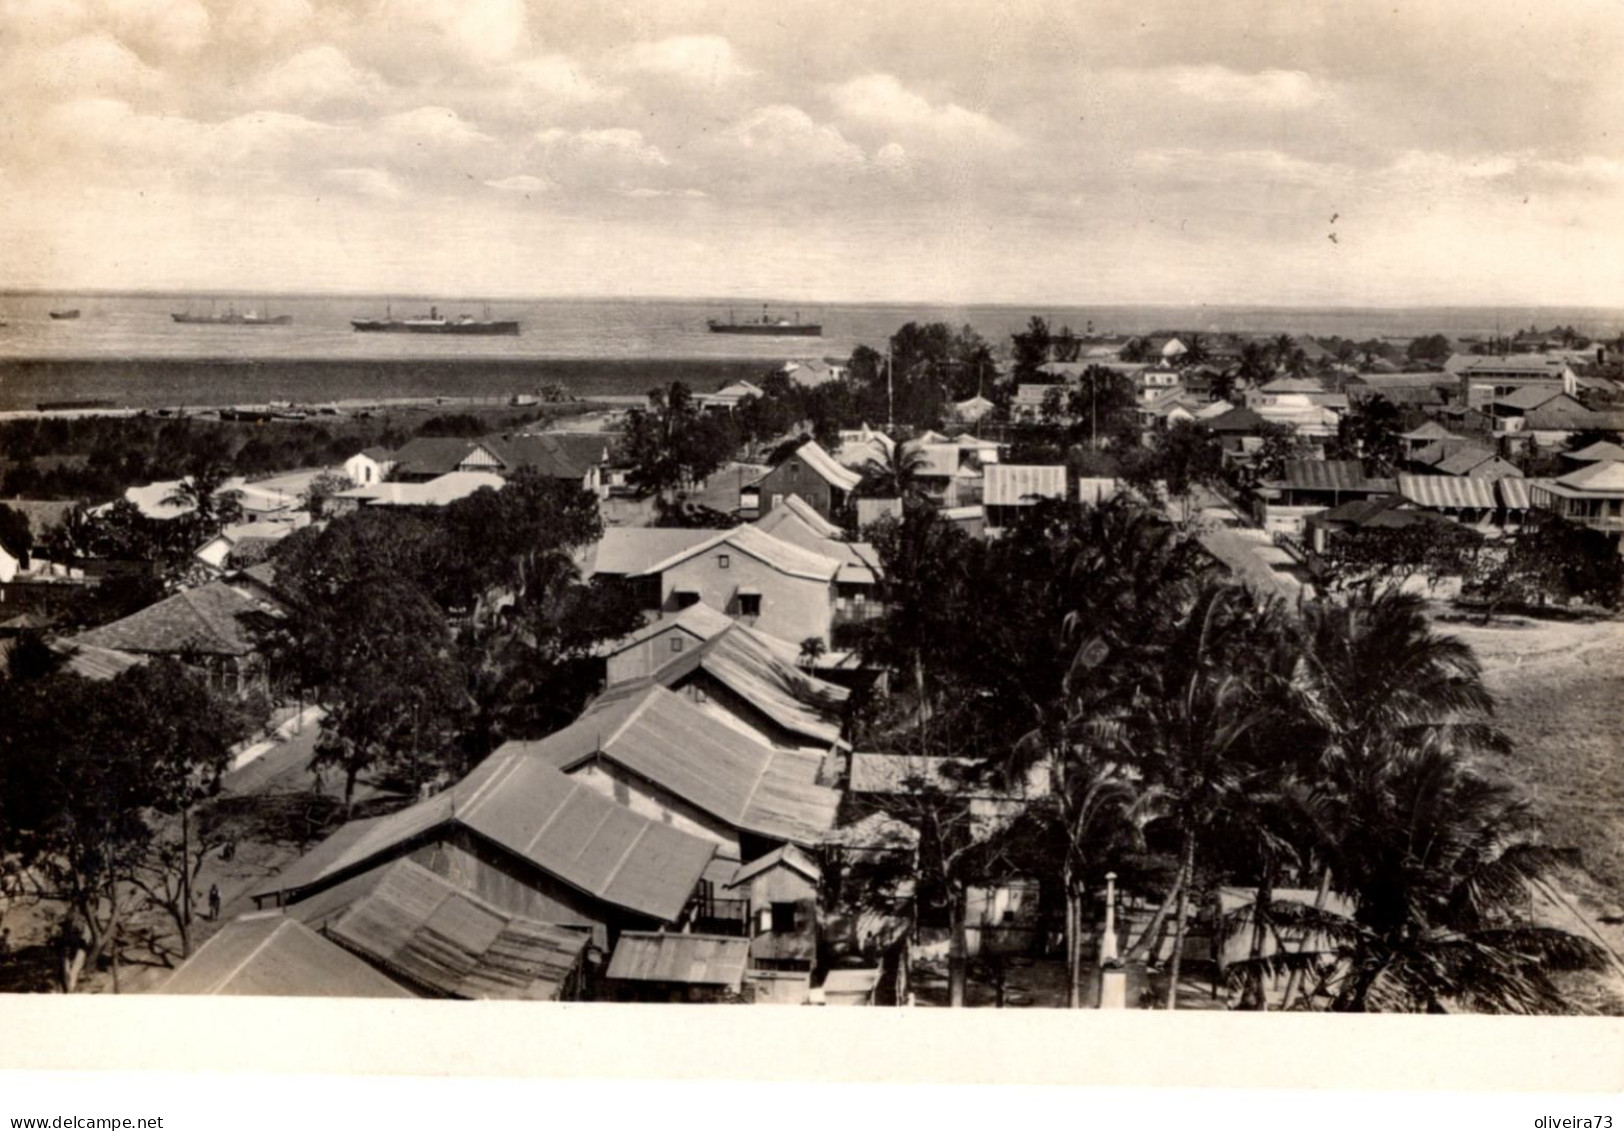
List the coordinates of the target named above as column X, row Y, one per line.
column 1529, row 364
column 208, row 619
column 1447, row 492
column 1242, row 420
column 437, row 492
column 1387, row 511
column 1600, row 450
column 530, row 809
column 741, row 660
column 787, row 855
column 1463, row 460
column 1009, row 485
column 1431, row 430
column 275, row 955
column 1567, row 415
column 1530, row 396
column 665, row 739
column 422, row 927
column 699, row 620
column 1607, row 477
column 825, row 465
column 630, row 550
column 1513, row 493
column 694, row 960
column 793, row 506
column 785, row 557
column 1331, row 475
column 425, row 455
column 567, row 455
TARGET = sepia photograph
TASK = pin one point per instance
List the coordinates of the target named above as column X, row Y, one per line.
column 1075, row 508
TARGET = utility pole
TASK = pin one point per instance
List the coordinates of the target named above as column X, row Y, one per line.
column 890, row 397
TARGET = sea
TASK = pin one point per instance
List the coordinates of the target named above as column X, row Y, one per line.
column 126, row 348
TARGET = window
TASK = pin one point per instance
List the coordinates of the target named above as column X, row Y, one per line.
column 750, row 604
column 784, row 917
column 722, row 561
column 794, row 470
column 676, row 643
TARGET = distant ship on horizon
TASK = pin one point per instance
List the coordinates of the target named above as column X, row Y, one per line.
column 767, row 326
column 232, row 318
column 432, row 323
column 65, row 315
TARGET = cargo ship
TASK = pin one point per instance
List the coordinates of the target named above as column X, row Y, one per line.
column 767, row 326
column 65, row 315
column 432, row 323
column 232, row 318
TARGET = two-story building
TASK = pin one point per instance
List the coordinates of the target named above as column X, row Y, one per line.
column 1592, row 496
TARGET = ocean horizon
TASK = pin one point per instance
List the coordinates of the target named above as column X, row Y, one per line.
column 120, row 346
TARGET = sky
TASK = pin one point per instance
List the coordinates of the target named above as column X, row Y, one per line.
column 959, row 151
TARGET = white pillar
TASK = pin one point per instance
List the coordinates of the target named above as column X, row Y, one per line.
column 1108, row 940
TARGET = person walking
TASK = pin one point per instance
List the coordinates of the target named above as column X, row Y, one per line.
column 214, row 901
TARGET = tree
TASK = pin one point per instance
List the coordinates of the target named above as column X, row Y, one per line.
column 1550, row 559
column 1183, row 456
column 1369, row 431
column 672, row 445
column 1429, row 348
column 15, row 533
column 1067, row 346
column 895, row 475
column 1281, row 444
column 321, row 490
column 1389, row 556
column 1255, row 365
column 212, row 504
column 1032, row 349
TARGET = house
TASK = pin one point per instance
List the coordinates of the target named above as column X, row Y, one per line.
column 1600, row 451
column 1379, row 512
column 1484, row 380
column 727, row 398
column 1011, row 487
column 440, row 491
column 1238, row 432
column 432, row 934
column 972, row 411
column 1468, row 499
column 857, row 583
column 870, row 511
column 526, row 839
column 575, row 457
column 1476, row 463
column 781, row 889
column 1302, row 404
column 275, row 956
column 245, row 543
column 1556, row 420
column 941, row 474
column 665, row 637
column 810, row 374
column 651, row 967
column 369, row 466
column 753, row 683
column 1027, row 406
column 813, row 474
column 1426, row 434
column 773, row 585
column 152, row 500
column 210, row 627
column 1309, row 486
column 1592, row 496
column 1418, row 390
column 657, row 754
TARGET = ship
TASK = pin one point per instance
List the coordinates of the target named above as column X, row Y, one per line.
column 432, row 323
column 65, row 315
column 767, row 326
column 232, row 318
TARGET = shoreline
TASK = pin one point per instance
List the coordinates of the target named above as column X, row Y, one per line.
column 134, row 384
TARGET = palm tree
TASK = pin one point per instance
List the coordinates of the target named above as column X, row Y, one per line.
column 1281, row 347
column 1192, row 723
column 1439, row 864
column 204, row 494
column 896, row 475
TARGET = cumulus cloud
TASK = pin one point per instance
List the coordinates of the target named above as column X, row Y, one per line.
column 366, row 181
column 788, row 134
column 882, row 100
column 611, row 150
column 703, row 60
column 93, row 64
column 42, row 21
column 430, row 128
column 160, row 27
column 1272, row 89
column 319, row 78
column 267, row 23
column 409, row 39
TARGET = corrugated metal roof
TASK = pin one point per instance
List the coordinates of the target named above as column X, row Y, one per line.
column 1448, row 492
column 277, row 956
column 1239, row 420
column 93, row 662
column 859, row 562
column 663, row 738
column 793, row 506
column 1463, row 460
column 1431, row 430
column 787, row 855
column 1606, row 476
column 1600, row 450
column 420, row 926
column 529, row 808
column 630, row 550
column 786, row 557
column 1331, row 475
column 824, row 464
column 1010, row 485
column 694, row 960
column 794, row 699
column 1530, row 397
column 700, row 621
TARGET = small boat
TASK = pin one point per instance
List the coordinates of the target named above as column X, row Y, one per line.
column 767, row 326
column 65, row 315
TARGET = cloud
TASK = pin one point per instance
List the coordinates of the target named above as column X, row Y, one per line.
column 264, row 23
column 366, row 181
column 1270, row 89
column 319, row 78
column 414, row 39
column 702, row 60
column 615, row 157
column 429, row 128
column 881, row 100
column 160, row 27
column 85, row 65
column 788, row 134
column 1260, row 168
column 523, row 183
column 42, row 21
